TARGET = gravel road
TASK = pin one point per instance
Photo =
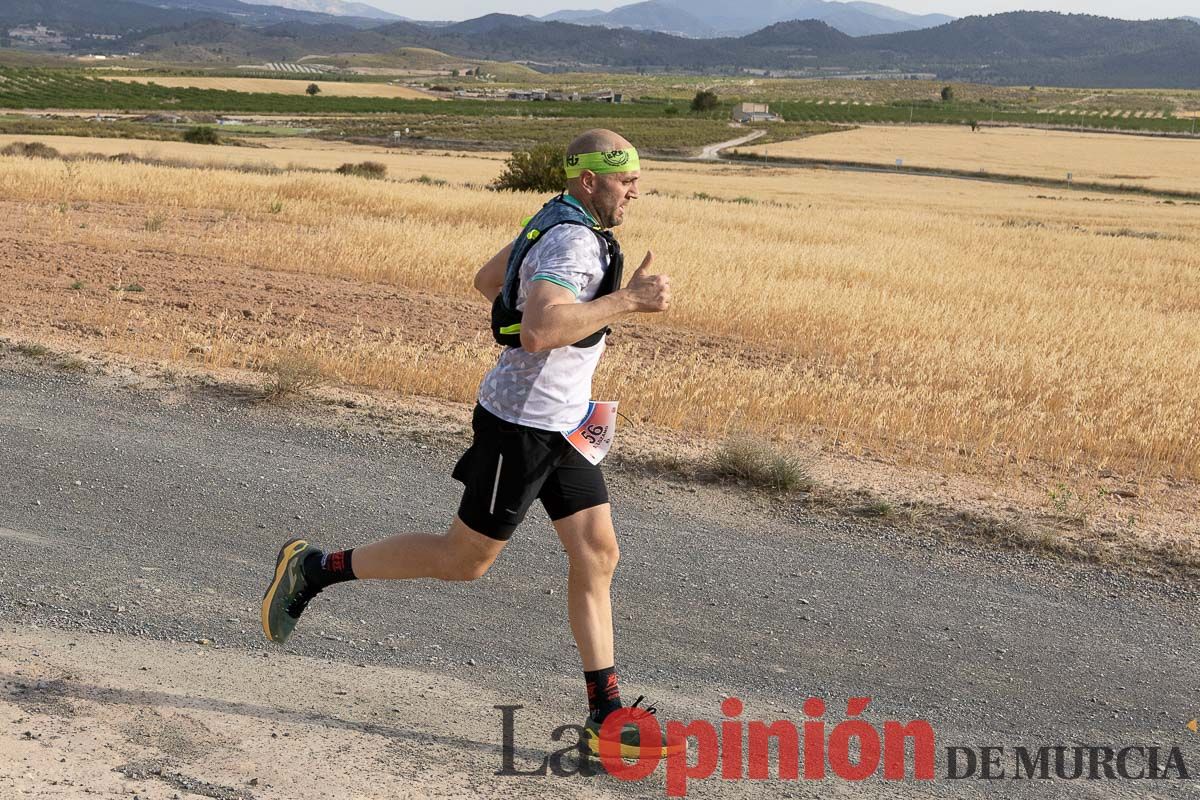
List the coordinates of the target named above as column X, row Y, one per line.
column 138, row 527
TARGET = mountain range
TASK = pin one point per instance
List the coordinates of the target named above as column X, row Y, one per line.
column 1039, row 48
column 713, row 18
column 76, row 18
column 334, row 8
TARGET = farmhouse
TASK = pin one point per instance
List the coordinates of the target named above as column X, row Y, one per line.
column 754, row 112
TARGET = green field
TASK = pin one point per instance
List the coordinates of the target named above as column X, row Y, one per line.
column 74, row 126
column 74, row 89
column 662, row 135
column 40, row 88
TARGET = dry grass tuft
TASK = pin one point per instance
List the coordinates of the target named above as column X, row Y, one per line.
column 292, row 373
column 760, row 463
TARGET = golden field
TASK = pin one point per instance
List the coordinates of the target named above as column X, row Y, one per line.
column 479, row 167
column 1151, row 162
column 277, row 86
column 974, row 326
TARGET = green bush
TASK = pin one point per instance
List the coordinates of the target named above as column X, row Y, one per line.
column 364, row 169
column 704, row 101
column 201, row 134
column 538, row 169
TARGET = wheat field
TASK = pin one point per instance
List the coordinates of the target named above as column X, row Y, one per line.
column 277, row 86
column 1104, row 158
column 282, row 153
column 984, row 327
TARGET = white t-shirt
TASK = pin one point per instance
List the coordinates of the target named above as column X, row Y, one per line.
column 550, row 390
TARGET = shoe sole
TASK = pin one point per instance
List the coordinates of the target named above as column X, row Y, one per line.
column 289, row 549
column 629, row 751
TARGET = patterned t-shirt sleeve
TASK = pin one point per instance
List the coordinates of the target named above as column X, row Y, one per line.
column 569, row 256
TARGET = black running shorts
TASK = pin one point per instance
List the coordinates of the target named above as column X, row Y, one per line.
column 508, row 466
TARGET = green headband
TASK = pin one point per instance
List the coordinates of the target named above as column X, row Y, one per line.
column 603, row 163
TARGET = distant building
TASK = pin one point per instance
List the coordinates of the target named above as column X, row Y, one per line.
column 754, row 112
column 36, row 34
column 605, row 97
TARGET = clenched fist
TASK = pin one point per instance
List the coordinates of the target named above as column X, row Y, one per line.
column 649, row 292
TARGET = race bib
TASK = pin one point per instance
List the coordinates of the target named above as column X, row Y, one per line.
column 594, row 435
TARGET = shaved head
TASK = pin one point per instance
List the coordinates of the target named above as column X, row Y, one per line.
column 597, row 140
column 604, row 196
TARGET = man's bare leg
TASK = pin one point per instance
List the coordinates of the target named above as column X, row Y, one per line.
column 591, row 544
column 460, row 554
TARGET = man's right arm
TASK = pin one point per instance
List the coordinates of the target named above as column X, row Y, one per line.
column 552, row 318
column 490, row 278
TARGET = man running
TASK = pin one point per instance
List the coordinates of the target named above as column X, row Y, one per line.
column 554, row 290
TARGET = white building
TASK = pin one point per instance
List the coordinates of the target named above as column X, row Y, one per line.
column 754, row 112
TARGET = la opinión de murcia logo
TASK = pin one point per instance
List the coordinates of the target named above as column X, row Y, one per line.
column 853, row 750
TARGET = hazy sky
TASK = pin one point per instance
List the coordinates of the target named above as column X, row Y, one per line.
column 1124, row 9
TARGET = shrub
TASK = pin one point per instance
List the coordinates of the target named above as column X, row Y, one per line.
column 312, row 89
column 293, row 372
column 201, row 134
column 704, row 100
column 947, row 94
column 364, row 169
column 538, row 169
column 758, row 462
column 32, row 350
column 30, row 150
column 671, row 110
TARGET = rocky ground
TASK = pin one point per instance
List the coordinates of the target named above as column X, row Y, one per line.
column 138, row 525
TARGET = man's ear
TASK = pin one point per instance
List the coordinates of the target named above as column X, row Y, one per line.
column 587, row 180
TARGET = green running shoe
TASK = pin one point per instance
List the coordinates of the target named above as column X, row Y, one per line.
column 288, row 593
column 631, row 743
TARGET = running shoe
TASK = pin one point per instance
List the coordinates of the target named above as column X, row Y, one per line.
column 289, row 592
column 632, row 745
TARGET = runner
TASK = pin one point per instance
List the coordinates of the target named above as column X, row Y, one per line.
column 554, row 291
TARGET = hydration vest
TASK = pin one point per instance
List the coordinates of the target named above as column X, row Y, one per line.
column 506, row 319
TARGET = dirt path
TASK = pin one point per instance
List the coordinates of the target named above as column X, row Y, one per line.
column 713, row 151
column 138, row 522
column 111, row 716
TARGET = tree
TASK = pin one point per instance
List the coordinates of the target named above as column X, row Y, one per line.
column 704, row 101
column 538, row 169
column 947, row 94
column 312, row 89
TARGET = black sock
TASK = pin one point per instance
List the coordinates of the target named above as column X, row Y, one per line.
column 326, row 569
column 604, row 697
